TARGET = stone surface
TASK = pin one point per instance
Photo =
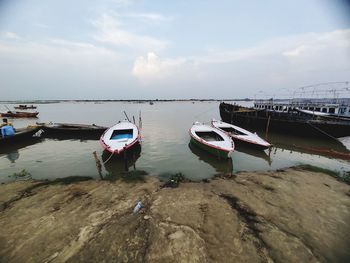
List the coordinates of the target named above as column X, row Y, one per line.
column 282, row 216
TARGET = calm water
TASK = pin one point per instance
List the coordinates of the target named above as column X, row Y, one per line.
column 165, row 146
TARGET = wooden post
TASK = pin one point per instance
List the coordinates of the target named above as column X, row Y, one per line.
column 267, row 127
column 98, row 165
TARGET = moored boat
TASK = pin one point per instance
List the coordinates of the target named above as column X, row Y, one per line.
column 19, row 114
column 241, row 136
column 120, row 137
column 212, row 140
column 21, row 135
column 72, row 131
column 293, row 121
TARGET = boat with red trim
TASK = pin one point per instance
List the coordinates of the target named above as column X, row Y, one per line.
column 120, row 137
column 241, row 136
column 212, row 140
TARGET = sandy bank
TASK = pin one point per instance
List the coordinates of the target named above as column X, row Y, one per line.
column 282, row 216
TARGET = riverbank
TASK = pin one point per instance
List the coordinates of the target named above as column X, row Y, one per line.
column 292, row 215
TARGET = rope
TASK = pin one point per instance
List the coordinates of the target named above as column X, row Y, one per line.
column 322, row 131
column 108, row 158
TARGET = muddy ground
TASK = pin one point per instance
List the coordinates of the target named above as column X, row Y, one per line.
column 291, row 215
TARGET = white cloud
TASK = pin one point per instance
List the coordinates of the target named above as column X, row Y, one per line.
column 286, row 62
column 110, row 30
column 152, row 67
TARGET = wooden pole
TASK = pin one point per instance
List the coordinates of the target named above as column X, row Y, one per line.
column 98, row 165
column 267, row 127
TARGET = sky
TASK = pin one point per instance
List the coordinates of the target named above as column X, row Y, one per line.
column 143, row 49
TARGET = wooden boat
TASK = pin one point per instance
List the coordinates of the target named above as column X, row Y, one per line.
column 72, row 131
column 120, row 137
column 21, row 135
column 293, row 121
column 212, row 140
column 25, row 107
column 241, row 136
column 19, row 114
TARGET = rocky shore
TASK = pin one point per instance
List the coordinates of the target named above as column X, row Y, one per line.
column 291, row 215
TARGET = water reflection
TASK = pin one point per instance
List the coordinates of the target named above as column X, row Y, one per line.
column 117, row 166
column 220, row 165
column 256, row 153
column 13, row 156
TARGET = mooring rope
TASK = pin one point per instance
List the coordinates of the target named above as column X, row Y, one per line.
column 108, row 158
column 322, row 131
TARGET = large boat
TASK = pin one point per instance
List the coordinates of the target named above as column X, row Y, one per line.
column 293, row 121
column 120, row 137
column 212, row 140
column 313, row 111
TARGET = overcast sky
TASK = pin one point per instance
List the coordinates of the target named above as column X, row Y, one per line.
column 143, row 49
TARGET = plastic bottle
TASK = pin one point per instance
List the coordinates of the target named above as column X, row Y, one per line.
column 138, row 207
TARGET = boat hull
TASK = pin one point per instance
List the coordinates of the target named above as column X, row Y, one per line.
column 83, row 132
column 245, row 144
column 289, row 123
column 20, row 114
column 21, row 136
column 221, row 154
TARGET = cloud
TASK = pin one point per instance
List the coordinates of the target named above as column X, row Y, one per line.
column 285, row 62
column 110, row 30
column 152, row 67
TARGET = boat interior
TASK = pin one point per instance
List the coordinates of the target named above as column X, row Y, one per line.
column 232, row 130
column 122, row 134
column 209, row 136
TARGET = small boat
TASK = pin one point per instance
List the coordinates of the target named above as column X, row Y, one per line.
column 120, row 137
column 25, row 107
column 19, row 114
column 212, row 140
column 21, row 135
column 241, row 136
column 72, row 131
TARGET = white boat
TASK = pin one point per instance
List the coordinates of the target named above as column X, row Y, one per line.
column 212, row 140
column 120, row 137
column 241, row 136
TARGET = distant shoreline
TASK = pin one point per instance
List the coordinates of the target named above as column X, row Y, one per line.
column 119, row 100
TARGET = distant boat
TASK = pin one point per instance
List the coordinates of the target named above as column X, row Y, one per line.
column 242, row 136
column 120, row 137
column 212, row 140
column 19, row 114
column 151, row 103
column 25, row 107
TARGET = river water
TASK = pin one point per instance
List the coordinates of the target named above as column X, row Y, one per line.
column 165, row 147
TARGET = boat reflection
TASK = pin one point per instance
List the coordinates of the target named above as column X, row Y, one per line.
column 328, row 148
column 19, row 145
column 256, row 153
column 220, row 165
column 118, row 166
